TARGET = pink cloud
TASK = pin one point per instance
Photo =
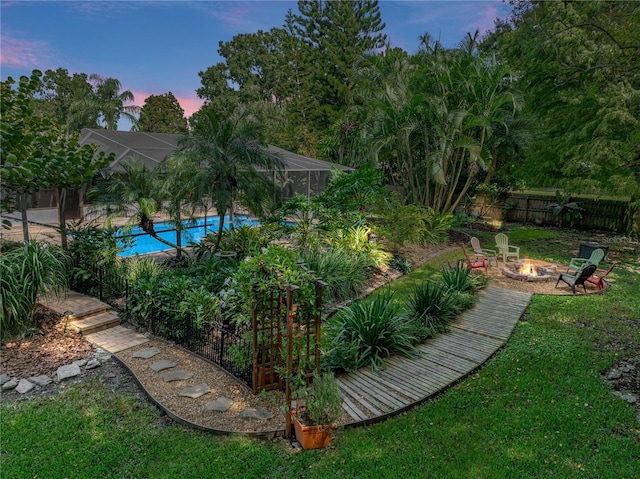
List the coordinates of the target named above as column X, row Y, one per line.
column 16, row 52
column 190, row 104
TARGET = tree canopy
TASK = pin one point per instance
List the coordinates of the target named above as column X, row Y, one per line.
column 578, row 65
column 162, row 114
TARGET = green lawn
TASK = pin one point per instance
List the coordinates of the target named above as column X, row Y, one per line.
column 540, row 408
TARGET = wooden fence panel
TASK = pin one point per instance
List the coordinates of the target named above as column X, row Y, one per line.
column 603, row 214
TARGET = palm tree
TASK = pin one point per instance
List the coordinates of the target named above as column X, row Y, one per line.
column 136, row 187
column 105, row 103
column 231, row 164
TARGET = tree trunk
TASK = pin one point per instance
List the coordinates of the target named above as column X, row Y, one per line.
column 23, row 202
column 62, row 215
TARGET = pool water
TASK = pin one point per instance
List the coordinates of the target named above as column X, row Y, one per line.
column 143, row 243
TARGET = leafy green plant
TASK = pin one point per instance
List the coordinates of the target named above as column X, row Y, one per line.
column 400, row 263
column 369, row 331
column 564, row 209
column 401, row 224
column 140, row 267
column 27, row 271
column 355, row 240
column 431, row 305
column 346, row 274
column 324, row 403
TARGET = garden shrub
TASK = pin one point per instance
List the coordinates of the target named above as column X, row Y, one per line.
column 415, row 224
column 366, row 332
column 355, row 240
column 400, row 263
column 431, row 305
column 462, row 284
column 25, row 272
column 346, row 274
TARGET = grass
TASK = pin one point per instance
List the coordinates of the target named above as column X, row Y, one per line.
column 539, row 408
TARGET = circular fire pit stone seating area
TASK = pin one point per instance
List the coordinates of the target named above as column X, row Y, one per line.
column 530, row 270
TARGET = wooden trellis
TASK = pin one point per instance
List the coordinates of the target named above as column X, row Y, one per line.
column 279, row 321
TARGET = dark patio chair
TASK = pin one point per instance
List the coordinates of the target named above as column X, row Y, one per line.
column 577, row 279
column 598, row 278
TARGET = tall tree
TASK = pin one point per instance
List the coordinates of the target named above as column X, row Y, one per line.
column 36, row 154
column 578, row 64
column 430, row 121
column 162, row 114
column 229, row 156
column 106, row 102
column 61, row 90
column 337, row 34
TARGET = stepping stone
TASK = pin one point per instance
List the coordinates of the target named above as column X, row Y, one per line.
column 196, row 391
column 68, row 371
column 255, row 413
column 80, row 362
column 146, row 353
column 177, row 375
column 24, row 386
column 12, row 383
column 4, row 378
column 162, row 365
column 92, row 364
column 222, row 404
column 102, row 355
column 41, row 380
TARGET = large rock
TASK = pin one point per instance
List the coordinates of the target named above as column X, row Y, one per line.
column 255, row 413
column 68, row 371
column 92, row 364
column 41, row 380
column 196, row 391
column 24, row 386
column 10, row 384
column 4, row 378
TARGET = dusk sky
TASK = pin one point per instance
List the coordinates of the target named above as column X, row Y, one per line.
column 154, row 47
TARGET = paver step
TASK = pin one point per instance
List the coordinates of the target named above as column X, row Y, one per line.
column 75, row 305
column 98, row 322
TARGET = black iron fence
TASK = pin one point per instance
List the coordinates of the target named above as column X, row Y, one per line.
column 102, row 282
column 207, row 339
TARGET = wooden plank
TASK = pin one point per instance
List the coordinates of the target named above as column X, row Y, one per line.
column 392, row 385
column 363, row 402
column 365, row 392
column 466, row 351
column 379, row 390
column 352, row 410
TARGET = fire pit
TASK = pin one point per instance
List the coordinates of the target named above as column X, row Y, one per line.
column 530, row 270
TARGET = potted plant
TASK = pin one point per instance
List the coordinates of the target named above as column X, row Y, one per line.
column 315, row 422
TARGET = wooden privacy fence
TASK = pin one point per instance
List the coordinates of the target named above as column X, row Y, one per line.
column 603, row 214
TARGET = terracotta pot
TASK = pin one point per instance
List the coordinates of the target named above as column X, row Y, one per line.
column 312, row 437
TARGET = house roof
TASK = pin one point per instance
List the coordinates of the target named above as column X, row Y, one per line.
column 153, row 148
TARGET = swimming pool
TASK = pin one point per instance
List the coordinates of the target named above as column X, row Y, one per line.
column 194, row 232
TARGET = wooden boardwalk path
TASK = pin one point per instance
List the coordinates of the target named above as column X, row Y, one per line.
column 442, row 361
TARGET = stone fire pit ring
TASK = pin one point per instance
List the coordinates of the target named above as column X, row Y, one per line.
column 530, row 270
